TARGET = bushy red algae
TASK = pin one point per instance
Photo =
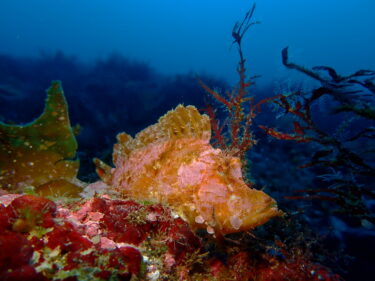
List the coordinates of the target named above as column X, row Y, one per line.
column 15, row 250
column 29, row 211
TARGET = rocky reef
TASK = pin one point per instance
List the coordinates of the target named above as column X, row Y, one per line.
column 162, row 213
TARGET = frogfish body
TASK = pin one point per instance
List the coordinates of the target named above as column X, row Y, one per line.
column 172, row 162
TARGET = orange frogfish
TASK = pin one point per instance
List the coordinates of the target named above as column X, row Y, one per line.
column 172, row 162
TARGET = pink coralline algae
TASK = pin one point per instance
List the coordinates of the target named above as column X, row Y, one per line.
column 112, row 239
column 40, row 240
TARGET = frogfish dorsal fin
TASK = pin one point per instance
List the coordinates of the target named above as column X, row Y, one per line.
column 182, row 122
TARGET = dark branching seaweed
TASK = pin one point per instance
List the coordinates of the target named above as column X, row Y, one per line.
column 339, row 87
column 349, row 162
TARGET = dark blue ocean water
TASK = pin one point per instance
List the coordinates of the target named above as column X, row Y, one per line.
column 124, row 63
column 193, row 35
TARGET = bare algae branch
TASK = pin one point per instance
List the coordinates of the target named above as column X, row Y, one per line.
column 238, row 103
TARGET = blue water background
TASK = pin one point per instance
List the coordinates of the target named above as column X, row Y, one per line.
column 194, row 35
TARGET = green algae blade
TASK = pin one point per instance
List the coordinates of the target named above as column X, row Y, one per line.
column 42, row 151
